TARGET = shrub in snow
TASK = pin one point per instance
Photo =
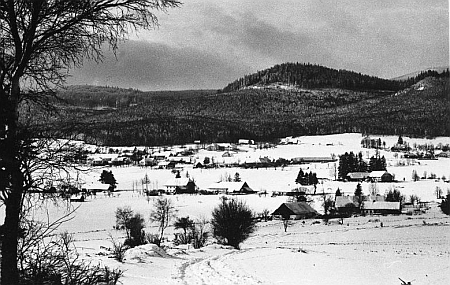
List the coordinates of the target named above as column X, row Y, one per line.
column 445, row 205
column 186, row 225
column 118, row 250
column 57, row 262
column 153, row 239
column 199, row 233
column 194, row 233
column 133, row 224
column 232, row 222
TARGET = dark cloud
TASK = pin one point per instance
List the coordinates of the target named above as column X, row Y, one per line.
column 255, row 38
column 378, row 38
column 151, row 66
column 207, row 44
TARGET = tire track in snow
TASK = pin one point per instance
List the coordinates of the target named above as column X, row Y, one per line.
column 214, row 270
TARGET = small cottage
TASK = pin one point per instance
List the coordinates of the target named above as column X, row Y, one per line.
column 346, row 201
column 357, row 176
column 381, row 208
column 381, row 176
column 231, row 188
column 295, row 210
column 181, row 186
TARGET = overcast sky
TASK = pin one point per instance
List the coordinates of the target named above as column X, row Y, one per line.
column 206, row 44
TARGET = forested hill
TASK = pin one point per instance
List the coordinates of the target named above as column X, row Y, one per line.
column 316, row 76
column 112, row 116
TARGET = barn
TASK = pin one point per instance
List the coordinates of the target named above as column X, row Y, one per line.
column 381, row 208
column 295, row 210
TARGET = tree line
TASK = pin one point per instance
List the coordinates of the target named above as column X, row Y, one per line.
column 349, row 162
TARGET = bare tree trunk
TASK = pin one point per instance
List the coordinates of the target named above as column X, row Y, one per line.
column 9, row 270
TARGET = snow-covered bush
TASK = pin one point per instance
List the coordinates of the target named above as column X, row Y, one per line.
column 232, row 222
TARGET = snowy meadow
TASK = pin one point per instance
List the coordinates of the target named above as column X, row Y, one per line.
column 361, row 250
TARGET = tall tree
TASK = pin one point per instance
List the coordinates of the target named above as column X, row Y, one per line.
column 164, row 211
column 40, row 41
column 107, row 177
column 359, row 193
column 300, row 176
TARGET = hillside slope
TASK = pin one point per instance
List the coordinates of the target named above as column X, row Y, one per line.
column 159, row 118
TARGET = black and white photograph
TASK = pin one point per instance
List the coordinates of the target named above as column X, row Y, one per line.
column 202, row 142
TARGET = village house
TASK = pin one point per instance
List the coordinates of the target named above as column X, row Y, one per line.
column 246, row 141
column 312, row 159
column 230, row 188
column 162, row 155
column 147, row 161
column 415, row 208
column 295, row 210
column 290, row 140
column 346, row 201
column 381, row 176
column 180, row 186
column 381, row 208
column 96, row 187
column 357, row 176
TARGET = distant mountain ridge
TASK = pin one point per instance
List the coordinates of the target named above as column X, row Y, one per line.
column 439, row 69
column 306, row 75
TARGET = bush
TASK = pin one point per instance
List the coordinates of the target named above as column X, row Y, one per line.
column 199, row 233
column 153, row 239
column 186, row 225
column 136, row 228
column 57, row 262
column 232, row 222
column 445, row 205
column 119, row 250
column 133, row 224
column 265, row 215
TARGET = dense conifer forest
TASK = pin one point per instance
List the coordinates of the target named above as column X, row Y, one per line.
column 316, row 76
column 114, row 116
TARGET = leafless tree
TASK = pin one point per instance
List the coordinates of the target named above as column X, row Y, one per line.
column 40, row 40
column 163, row 212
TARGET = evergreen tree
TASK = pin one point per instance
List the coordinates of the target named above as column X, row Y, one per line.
column 394, row 196
column 359, row 194
column 299, row 176
column 107, row 177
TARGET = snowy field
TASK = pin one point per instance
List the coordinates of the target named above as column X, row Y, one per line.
column 361, row 251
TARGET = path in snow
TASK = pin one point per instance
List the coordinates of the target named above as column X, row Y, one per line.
column 214, row 270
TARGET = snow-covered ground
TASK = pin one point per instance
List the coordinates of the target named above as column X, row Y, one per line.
column 361, row 251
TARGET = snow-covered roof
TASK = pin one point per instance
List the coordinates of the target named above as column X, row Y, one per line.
column 358, row 175
column 381, row 205
column 377, row 174
column 295, row 208
column 97, row 186
column 229, row 186
column 342, row 201
column 177, row 182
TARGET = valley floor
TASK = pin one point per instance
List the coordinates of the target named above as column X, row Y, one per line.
column 362, row 250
